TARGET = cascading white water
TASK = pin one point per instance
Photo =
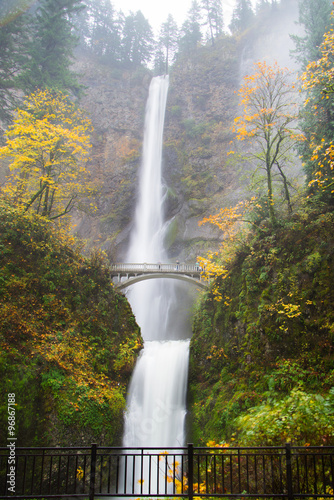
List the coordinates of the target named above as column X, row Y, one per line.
column 157, row 392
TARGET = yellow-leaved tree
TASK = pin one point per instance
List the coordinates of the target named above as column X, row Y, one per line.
column 269, row 123
column 48, row 145
column 318, row 82
column 233, row 223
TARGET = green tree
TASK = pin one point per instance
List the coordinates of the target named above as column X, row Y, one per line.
column 82, row 22
column 315, row 19
column 242, row 16
column 159, row 62
column 51, row 47
column 137, row 40
column 269, row 123
column 262, row 6
column 14, row 27
column 191, row 29
column 213, row 18
column 168, row 40
column 105, row 29
column 48, row 144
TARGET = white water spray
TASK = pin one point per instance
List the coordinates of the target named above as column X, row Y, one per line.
column 157, row 393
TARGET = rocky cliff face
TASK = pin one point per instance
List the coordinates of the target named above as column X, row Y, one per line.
column 115, row 102
column 200, row 110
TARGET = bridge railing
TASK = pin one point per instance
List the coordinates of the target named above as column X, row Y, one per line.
column 155, row 268
column 95, row 472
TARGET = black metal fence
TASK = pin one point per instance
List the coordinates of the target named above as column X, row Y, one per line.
column 96, row 472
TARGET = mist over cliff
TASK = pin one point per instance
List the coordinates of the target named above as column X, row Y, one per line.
column 201, row 106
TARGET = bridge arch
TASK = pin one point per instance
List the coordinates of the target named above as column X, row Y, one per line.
column 142, row 277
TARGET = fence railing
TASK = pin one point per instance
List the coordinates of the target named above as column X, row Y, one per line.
column 156, row 268
column 96, row 472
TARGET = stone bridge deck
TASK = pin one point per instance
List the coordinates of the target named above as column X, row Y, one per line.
column 127, row 274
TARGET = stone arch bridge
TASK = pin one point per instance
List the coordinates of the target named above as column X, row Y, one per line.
column 127, row 274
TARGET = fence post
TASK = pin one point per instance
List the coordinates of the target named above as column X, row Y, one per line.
column 92, row 471
column 190, row 471
column 288, row 471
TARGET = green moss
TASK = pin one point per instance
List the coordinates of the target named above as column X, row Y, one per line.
column 171, row 233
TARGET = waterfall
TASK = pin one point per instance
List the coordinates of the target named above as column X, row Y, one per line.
column 157, row 393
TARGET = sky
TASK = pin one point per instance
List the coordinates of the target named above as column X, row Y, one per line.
column 156, row 11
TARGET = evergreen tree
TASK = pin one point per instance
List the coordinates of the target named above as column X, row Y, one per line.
column 168, row 40
column 314, row 17
column 14, row 31
column 105, row 29
column 138, row 40
column 159, row 62
column 242, row 16
column 51, row 47
column 213, row 15
column 191, row 29
column 262, row 6
column 82, row 22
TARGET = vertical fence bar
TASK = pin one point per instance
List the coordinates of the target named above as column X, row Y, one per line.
column 289, row 471
column 166, row 473
column 92, row 471
column 149, row 474
column 315, row 475
column 264, row 472
column 141, row 470
column 32, row 475
column 133, row 472
column 84, row 474
column 323, row 474
column 190, row 471
column 67, row 471
column 42, row 471
column 239, row 473
column 198, row 471
column 182, row 473
column 158, row 474
column 117, row 473
column 215, row 474
column 50, row 474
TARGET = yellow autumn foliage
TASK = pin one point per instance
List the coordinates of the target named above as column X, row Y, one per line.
column 48, row 145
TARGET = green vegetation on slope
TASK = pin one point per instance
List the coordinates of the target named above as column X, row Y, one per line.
column 68, row 340
column 262, row 364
